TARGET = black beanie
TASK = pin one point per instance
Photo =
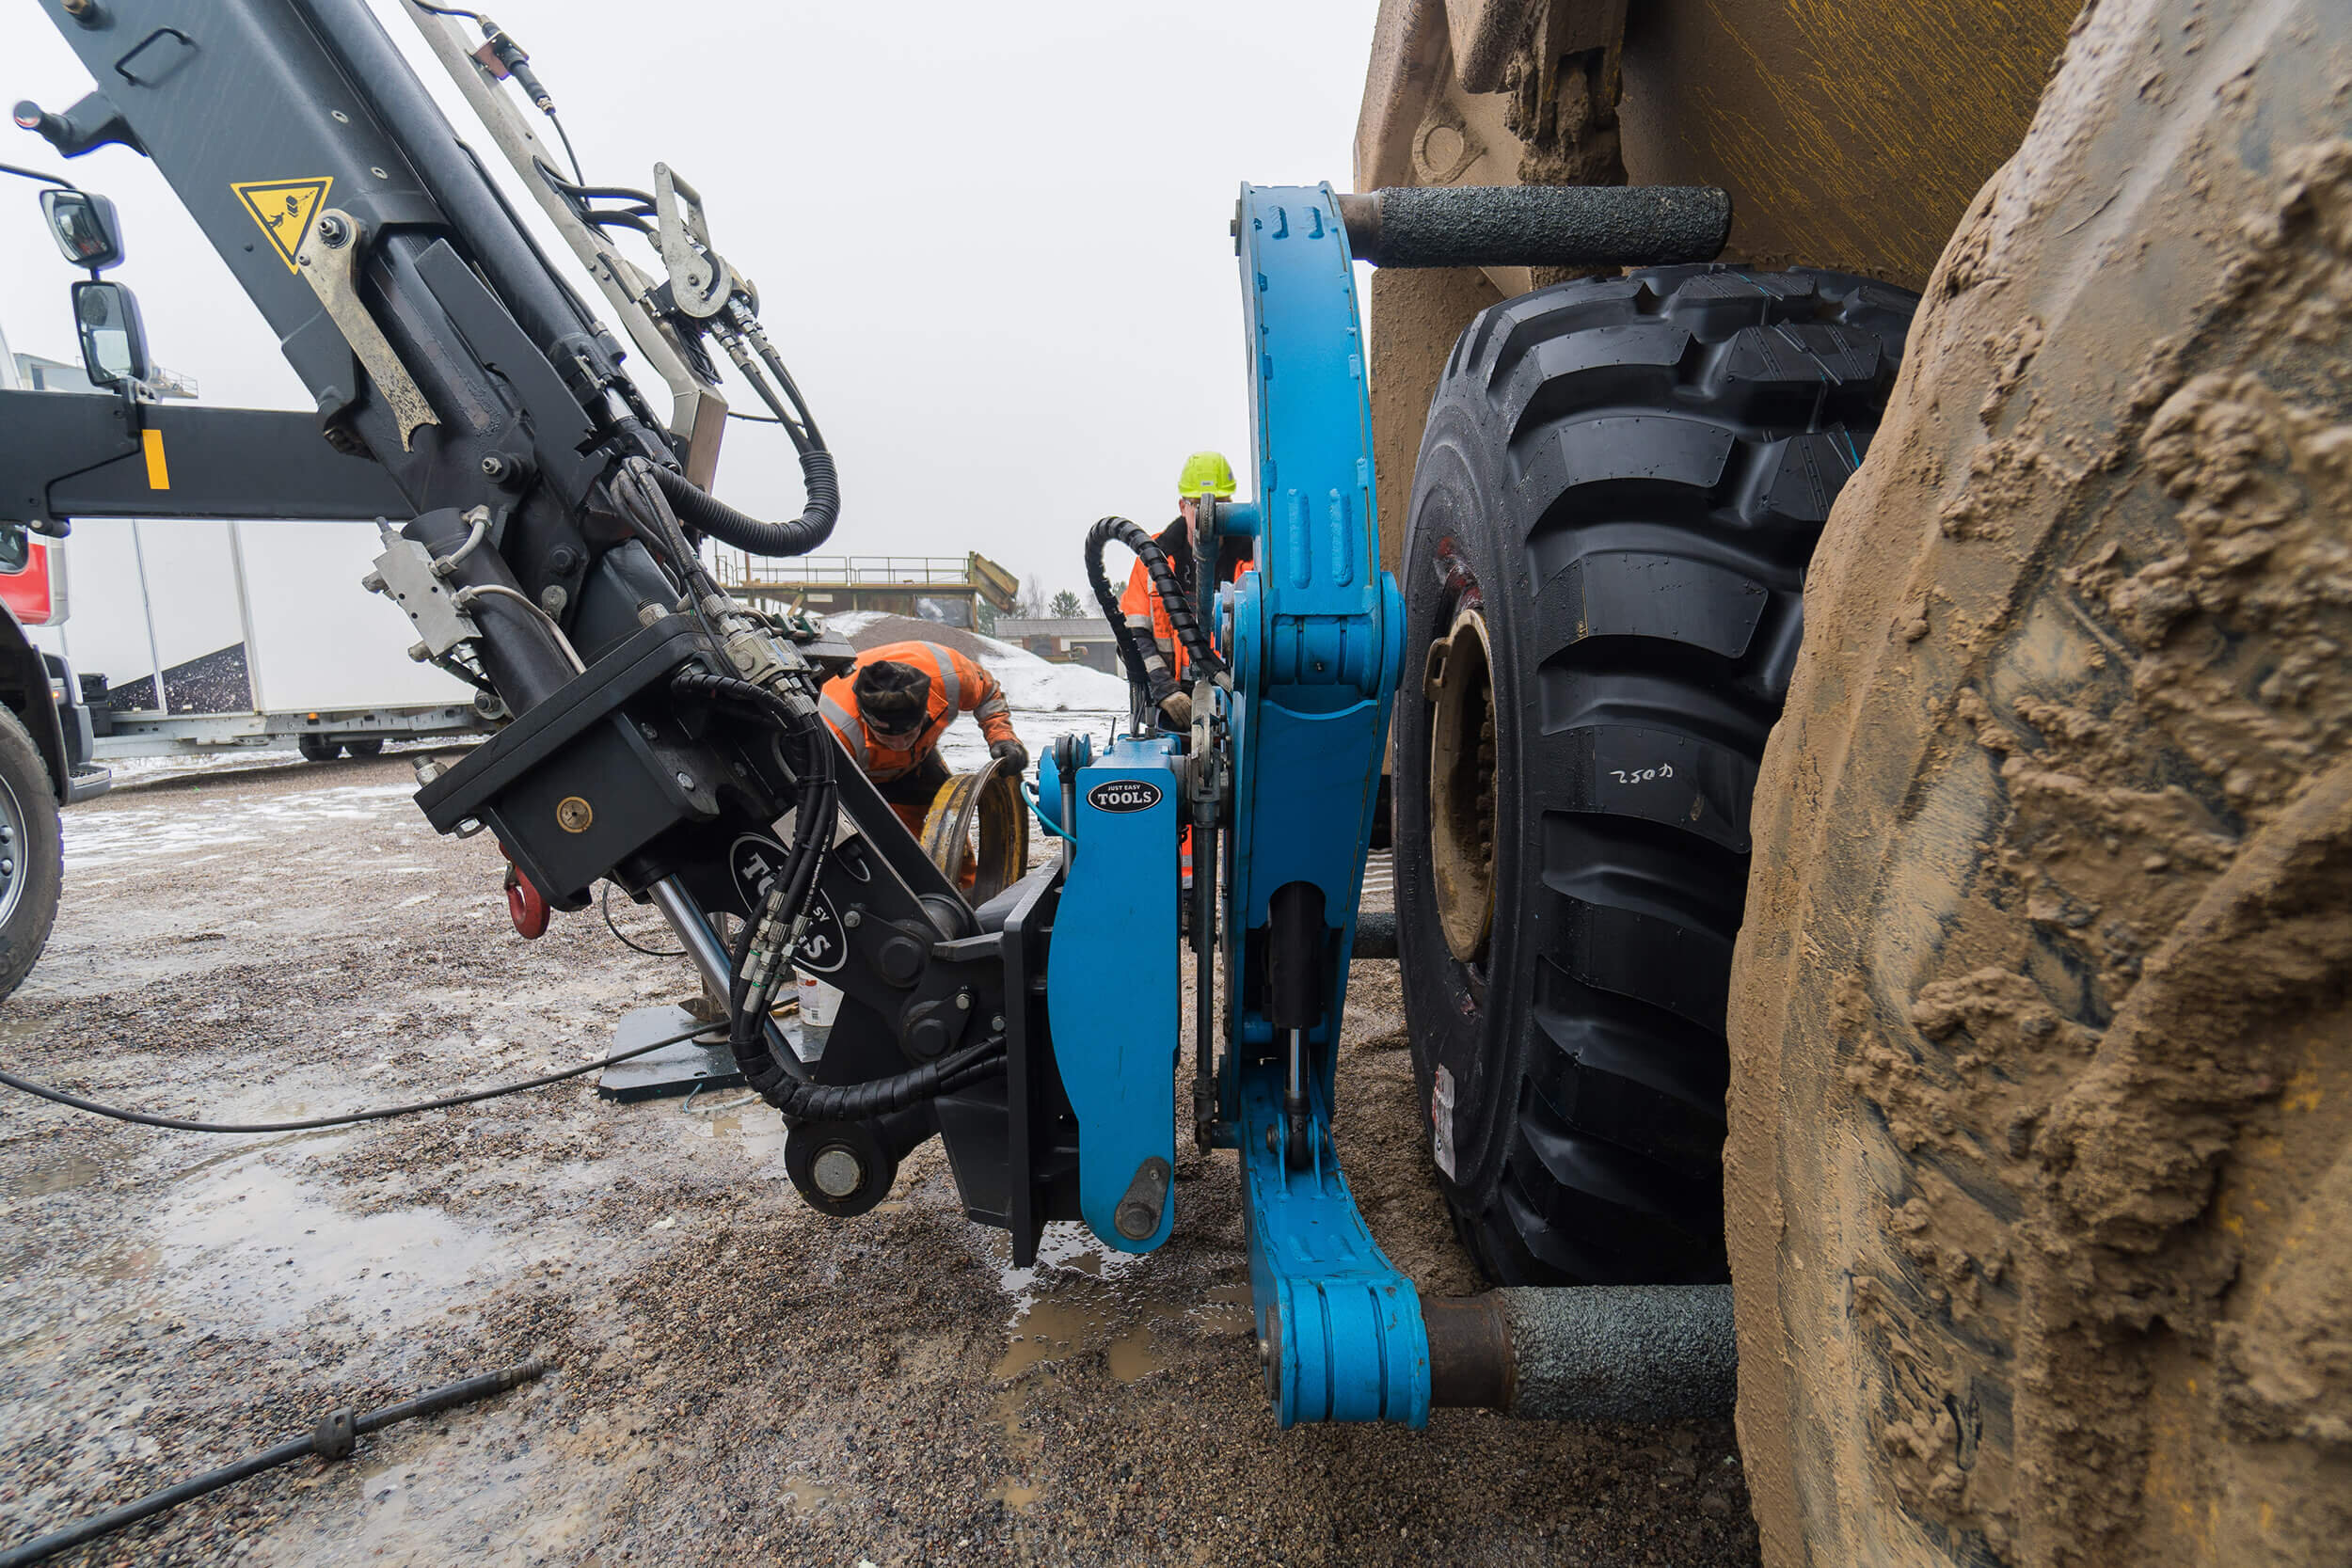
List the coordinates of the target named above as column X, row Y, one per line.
column 895, row 697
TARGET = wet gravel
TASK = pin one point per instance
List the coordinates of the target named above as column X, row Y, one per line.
column 736, row 1378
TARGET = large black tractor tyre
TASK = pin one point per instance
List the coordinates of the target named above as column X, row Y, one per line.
column 1620, row 486
column 32, row 853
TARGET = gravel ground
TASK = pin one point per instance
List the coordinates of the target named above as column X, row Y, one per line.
column 738, row 1379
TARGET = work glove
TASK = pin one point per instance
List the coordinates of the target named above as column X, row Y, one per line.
column 1013, row 752
column 1177, row 708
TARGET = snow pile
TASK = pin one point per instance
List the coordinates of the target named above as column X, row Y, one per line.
column 1042, row 686
column 1030, row 683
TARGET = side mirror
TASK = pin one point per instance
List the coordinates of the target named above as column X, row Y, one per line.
column 83, row 227
column 113, row 341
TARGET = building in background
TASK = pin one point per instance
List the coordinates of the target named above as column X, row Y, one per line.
column 1083, row 640
column 967, row 591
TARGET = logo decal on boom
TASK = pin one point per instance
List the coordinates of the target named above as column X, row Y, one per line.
column 1124, row 795
column 284, row 209
column 757, row 863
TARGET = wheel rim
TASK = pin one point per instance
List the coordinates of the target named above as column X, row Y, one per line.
column 14, row 873
column 1462, row 787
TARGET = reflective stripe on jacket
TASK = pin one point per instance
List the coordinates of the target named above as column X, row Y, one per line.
column 958, row 686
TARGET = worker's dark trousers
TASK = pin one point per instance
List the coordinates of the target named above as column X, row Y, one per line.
column 911, row 793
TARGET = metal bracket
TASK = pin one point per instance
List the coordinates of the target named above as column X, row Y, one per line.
column 404, row 571
column 701, row 282
column 330, row 263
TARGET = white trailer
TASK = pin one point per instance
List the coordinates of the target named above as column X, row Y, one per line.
column 211, row 638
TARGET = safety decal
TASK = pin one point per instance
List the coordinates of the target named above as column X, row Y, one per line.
column 284, row 209
column 1441, row 1121
column 151, row 447
column 1124, row 795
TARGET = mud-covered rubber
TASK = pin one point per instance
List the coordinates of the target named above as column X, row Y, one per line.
column 36, row 853
column 2040, row 1139
column 318, row 747
column 1626, row 477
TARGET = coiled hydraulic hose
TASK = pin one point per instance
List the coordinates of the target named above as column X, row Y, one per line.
column 1143, row 661
column 698, row 508
column 801, row 1102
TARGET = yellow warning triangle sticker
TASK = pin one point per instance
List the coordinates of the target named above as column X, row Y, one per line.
column 284, row 209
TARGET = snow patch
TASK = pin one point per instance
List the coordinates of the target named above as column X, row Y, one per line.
column 126, row 834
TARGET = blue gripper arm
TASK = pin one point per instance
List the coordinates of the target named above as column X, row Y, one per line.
column 1314, row 634
column 1316, row 631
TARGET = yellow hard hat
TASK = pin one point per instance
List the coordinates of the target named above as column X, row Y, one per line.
column 1206, row 473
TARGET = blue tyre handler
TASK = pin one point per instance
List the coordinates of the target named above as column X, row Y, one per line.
column 1112, row 988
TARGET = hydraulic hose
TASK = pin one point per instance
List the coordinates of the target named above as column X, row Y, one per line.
column 181, row 1124
column 697, row 507
column 1144, row 664
column 774, row 929
column 864, row 1101
column 332, row 1438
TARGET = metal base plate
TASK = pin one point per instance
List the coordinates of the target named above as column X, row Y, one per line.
column 674, row 1069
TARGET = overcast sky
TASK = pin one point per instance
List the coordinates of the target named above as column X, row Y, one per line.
column 990, row 240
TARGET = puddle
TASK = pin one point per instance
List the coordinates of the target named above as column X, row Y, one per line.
column 258, row 1240
column 753, row 1133
column 481, row 1480
column 1067, row 1244
column 807, row 1497
column 1020, row 1447
column 1053, row 1321
column 56, row 1175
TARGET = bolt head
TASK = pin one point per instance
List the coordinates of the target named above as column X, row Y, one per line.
column 963, row 1002
column 836, row 1171
column 685, row 780
column 493, row 466
column 997, row 1022
column 853, row 919
column 421, row 652
column 372, row 582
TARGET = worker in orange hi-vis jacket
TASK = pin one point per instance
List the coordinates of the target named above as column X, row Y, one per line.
column 890, row 708
column 1205, row 473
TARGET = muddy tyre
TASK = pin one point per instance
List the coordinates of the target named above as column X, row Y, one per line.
column 318, row 747
column 32, row 854
column 2041, row 1140
column 1619, row 488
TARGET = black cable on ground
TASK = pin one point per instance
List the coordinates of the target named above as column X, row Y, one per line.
column 332, row 1438
column 604, row 905
column 180, row 1125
